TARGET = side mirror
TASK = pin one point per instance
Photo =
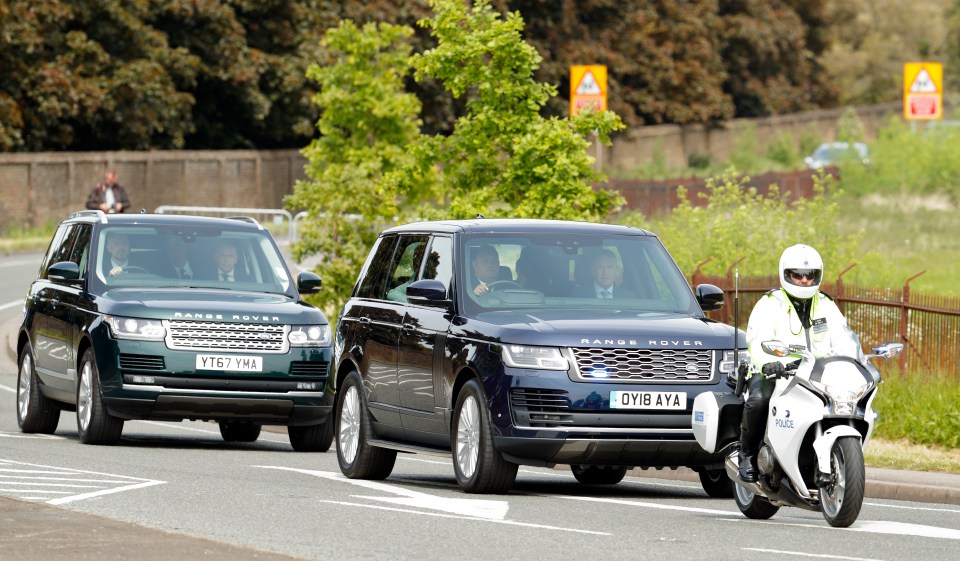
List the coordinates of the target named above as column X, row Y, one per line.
column 428, row 292
column 64, row 271
column 308, row 282
column 775, row 348
column 888, row 350
column 709, row 297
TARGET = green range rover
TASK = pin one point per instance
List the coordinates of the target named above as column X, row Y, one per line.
column 169, row 318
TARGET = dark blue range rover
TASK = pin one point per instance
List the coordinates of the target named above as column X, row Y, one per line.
column 508, row 342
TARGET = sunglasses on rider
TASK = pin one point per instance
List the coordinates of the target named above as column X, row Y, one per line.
column 809, row 274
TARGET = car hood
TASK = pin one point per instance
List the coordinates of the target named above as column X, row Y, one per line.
column 591, row 328
column 198, row 304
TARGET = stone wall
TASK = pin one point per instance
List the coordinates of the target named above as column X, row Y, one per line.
column 46, row 187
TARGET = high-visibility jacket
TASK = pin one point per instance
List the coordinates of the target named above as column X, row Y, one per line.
column 775, row 318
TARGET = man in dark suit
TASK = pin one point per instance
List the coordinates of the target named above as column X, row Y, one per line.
column 176, row 265
column 604, row 270
column 227, row 257
column 117, row 260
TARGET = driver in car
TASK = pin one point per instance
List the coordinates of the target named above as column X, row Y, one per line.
column 486, row 269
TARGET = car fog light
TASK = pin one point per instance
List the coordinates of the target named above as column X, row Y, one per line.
column 138, row 379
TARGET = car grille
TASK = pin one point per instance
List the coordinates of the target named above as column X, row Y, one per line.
column 235, row 337
column 644, row 365
column 140, row 362
column 308, row 368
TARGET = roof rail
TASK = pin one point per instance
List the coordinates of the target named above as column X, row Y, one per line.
column 250, row 219
column 98, row 213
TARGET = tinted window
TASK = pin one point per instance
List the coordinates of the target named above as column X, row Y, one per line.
column 375, row 271
column 59, row 247
column 216, row 257
column 405, row 266
column 80, row 251
column 439, row 263
column 625, row 273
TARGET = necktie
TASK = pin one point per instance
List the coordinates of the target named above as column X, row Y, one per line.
column 605, row 294
column 183, row 273
column 226, row 277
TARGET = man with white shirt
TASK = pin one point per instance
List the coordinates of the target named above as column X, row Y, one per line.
column 227, row 257
column 604, row 270
column 109, row 196
column 117, row 260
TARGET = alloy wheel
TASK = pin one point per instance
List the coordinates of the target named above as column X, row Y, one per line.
column 85, row 396
column 831, row 500
column 468, row 437
column 350, row 425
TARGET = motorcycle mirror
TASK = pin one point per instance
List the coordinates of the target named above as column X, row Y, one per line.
column 888, row 350
column 775, row 348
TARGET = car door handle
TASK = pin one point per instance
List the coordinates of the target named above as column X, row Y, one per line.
column 364, row 319
column 54, row 302
column 409, row 327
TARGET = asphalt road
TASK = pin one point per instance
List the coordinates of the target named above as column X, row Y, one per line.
column 167, row 484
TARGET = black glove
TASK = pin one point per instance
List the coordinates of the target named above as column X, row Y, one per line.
column 773, row 370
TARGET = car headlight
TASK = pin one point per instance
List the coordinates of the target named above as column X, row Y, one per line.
column 309, row 336
column 541, row 358
column 136, row 328
column 727, row 366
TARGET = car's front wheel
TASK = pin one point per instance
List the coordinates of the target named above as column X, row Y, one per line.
column 716, row 483
column 478, row 466
column 239, row 432
column 94, row 424
column 313, row 438
column 35, row 413
column 357, row 458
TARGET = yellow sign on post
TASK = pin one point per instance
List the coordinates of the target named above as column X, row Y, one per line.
column 923, row 91
column 588, row 88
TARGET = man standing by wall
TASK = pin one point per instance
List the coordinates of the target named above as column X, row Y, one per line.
column 109, row 196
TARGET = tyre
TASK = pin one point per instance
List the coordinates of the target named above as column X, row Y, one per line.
column 751, row 505
column 479, row 468
column 357, row 458
column 598, row 475
column 232, row 431
column 94, row 424
column 716, row 483
column 313, row 438
column 842, row 498
column 35, row 413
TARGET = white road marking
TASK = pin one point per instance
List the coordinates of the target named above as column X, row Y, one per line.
column 801, row 554
column 7, row 389
column 474, row 508
column 17, row 263
column 11, row 304
column 914, row 507
column 506, row 522
column 879, row 527
column 35, row 473
column 645, row 504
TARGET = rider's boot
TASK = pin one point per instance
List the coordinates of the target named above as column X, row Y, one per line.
column 748, row 465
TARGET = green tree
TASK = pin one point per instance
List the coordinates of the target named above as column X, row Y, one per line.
column 367, row 121
column 735, row 221
column 502, row 158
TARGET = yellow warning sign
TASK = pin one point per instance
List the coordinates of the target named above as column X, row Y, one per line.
column 588, row 88
column 923, row 91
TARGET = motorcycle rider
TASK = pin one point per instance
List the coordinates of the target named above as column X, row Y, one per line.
column 799, row 315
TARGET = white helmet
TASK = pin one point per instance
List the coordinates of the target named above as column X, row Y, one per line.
column 800, row 261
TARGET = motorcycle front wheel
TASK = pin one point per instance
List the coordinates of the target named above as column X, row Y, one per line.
column 842, row 497
column 752, row 505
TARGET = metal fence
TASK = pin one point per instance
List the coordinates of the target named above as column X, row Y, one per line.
column 279, row 222
column 927, row 325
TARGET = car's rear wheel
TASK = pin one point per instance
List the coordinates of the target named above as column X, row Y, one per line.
column 478, row 466
column 357, row 458
column 599, row 475
column 94, row 424
column 233, row 431
column 35, row 413
column 313, row 438
column 716, row 483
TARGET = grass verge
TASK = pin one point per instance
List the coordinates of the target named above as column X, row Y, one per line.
column 902, row 454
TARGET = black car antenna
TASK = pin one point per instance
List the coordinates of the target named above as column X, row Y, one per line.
column 737, row 366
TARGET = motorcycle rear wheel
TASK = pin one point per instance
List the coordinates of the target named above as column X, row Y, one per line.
column 752, row 505
column 842, row 499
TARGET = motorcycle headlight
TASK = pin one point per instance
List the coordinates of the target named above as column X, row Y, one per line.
column 136, row 328
column 843, row 399
column 309, row 336
column 540, row 358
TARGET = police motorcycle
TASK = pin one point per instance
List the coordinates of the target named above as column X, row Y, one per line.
column 819, row 420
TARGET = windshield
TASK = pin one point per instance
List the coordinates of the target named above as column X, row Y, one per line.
column 550, row 271
column 172, row 256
